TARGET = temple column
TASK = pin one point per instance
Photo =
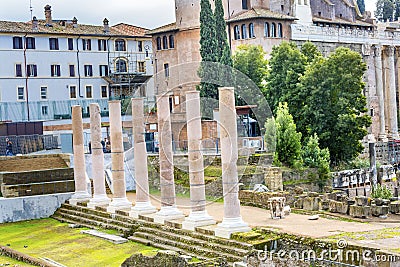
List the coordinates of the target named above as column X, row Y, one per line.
column 99, row 197
column 379, row 91
column 393, row 126
column 119, row 200
column 143, row 204
column 168, row 210
column 232, row 221
column 81, row 181
column 198, row 215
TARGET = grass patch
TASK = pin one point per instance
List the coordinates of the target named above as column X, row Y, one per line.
column 6, row 261
column 213, row 171
column 52, row 239
column 369, row 235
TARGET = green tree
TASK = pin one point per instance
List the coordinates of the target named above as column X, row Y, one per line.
column 208, row 49
column 335, row 105
column 361, row 6
column 221, row 35
column 310, row 51
column 385, row 10
column 288, row 140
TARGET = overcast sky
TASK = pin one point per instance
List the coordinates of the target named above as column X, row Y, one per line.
column 145, row 13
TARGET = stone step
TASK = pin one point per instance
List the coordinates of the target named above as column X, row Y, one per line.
column 188, row 240
column 199, row 250
column 112, row 238
column 62, row 219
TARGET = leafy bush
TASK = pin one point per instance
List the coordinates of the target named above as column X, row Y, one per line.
column 381, row 191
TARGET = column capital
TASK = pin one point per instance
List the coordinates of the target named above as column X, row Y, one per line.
column 390, row 51
column 378, row 50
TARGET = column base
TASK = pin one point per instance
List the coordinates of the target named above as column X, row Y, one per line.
column 168, row 213
column 101, row 200
column 142, row 208
column 230, row 226
column 119, row 204
column 79, row 196
column 196, row 219
column 383, row 138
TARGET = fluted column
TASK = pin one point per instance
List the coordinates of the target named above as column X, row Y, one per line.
column 119, row 200
column 81, row 182
column 393, row 126
column 168, row 198
column 379, row 91
column 232, row 221
column 99, row 197
column 143, row 204
column 198, row 215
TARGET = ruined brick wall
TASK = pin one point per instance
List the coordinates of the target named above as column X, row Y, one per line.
column 322, row 9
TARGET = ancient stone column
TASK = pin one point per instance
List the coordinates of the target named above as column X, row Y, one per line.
column 198, row 215
column 393, row 126
column 143, row 204
column 81, row 181
column 379, row 90
column 99, row 197
column 119, row 200
column 168, row 210
column 232, row 221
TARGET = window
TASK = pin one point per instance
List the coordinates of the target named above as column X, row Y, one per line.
column 45, row 110
column 17, row 42
column 273, row 30
column 71, row 70
column 120, row 45
column 245, row 4
column 236, row 32
column 166, row 70
column 280, row 32
column 251, row 30
column 244, row 31
column 70, row 44
column 171, row 41
column 102, row 45
column 165, row 42
column 158, row 43
column 103, row 70
column 87, row 44
column 31, row 70
column 43, row 93
column 18, row 70
column 21, row 93
column 120, row 65
column 53, row 43
column 266, row 29
column 140, row 46
column 55, row 70
column 30, row 43
column 89, row 91
column 88, row 70
column 72, row 91
column 141, row 66
column 104, row 93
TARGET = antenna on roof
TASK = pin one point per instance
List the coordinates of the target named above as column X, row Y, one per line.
column 31, row 8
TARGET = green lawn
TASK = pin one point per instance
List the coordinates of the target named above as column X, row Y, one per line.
column 5, row 261
column 51, row 239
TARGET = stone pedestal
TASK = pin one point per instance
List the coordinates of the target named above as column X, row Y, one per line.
column 168, row 209
column 81, row 190
column 232, row 221
column 198, row 215
column 99, row 197
column 273, row 178
column 143, row 204
column 119, row 200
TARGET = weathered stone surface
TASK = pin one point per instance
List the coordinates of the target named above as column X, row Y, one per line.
column 379, row 210
column 394, row 207
column 360, row 211
column 338, row 207
column 273, row 178
column 312, row 203
column 361, row 201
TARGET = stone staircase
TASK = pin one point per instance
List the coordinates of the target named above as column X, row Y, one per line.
column 200, row 243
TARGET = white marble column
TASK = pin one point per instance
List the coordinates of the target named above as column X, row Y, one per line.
column 379, row 91
column 393, row 125
column 168, row 211
column 81, row 182
column 232, row 221
column 119, row 200
column 143, row 204
column 198, row 215
column 99, row 197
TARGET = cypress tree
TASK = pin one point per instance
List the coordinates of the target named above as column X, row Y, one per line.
column 221, row 36
column 361, row 5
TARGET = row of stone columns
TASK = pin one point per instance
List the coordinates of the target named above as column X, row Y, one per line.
column 232, row 221
column 385, row 73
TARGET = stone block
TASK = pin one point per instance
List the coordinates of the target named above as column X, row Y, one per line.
column 273, row 178
column 361, row 201
column 394, row 207
column 325, row 204
column 359, row 211
column 312, row 203
column 379, row 210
